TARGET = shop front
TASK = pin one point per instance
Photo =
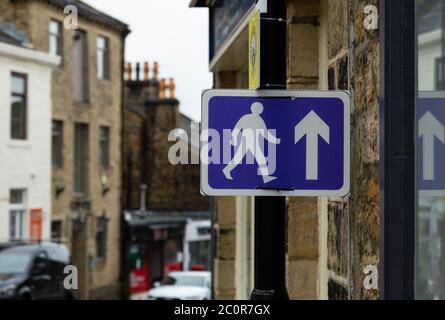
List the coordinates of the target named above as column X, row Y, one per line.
column 153, row 248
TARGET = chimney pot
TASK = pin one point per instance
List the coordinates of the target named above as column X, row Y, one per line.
column 162, row 89
column 129, row 71
column 138, row 71
column 146, row 71
column 155, row 71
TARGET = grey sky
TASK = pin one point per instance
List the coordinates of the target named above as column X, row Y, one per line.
column 176, row 36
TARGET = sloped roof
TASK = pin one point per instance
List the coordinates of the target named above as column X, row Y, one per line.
column 88, row 12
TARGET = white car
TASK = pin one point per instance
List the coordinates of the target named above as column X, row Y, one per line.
column 186, row 285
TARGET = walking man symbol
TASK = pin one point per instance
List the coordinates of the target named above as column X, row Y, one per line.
column 251, row 127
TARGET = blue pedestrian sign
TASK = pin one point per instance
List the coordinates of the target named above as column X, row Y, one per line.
column 431, row 143
column 275, row 143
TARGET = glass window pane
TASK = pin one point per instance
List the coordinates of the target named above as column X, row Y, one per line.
column 102, row 57
column 12, row 225
column 100, row 64
column 53, row 40
column 104, row 148
column 100, row 43
column 80, row 66
column 430, row 283
column 57, row 143
column 18, row 84
column 54, row 27
column 16, row 197
column 80, row 158
column 18, row 118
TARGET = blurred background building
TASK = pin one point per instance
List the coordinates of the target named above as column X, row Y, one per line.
column 167, row 220
column 87, row 97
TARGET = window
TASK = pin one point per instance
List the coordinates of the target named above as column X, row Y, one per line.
column 104, row 145
column 57, row 144
column 80, row 159
column 56, row 230
column 17, row 214
column 101, row 238
column 80, row 67
column 18, row 106
column 55, row 38
column 430, row 179
column 102, row 58
column 440, row 73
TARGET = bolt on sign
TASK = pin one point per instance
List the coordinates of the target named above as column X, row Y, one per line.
column 275, row 143
column 254, row 51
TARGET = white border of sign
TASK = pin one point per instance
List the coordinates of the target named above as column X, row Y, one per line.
column 344, row 96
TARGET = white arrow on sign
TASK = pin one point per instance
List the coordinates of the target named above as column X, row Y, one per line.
column 312, row 126
column 429, row 128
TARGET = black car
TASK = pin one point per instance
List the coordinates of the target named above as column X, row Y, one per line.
column 34, row 272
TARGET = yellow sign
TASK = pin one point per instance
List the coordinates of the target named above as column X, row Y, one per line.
column 254, row 52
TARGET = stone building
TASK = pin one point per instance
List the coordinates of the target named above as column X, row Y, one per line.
column 86, row 133
column 151, row 122
column 329, row 240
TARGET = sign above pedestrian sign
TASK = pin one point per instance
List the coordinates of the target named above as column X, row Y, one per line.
column 254, row 51
column 275, row 143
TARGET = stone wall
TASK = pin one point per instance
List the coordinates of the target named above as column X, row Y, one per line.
column 303, row 65
column 353, row 236
column 352, row 63
column 225, row 221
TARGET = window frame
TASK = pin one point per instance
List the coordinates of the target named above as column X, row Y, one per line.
column 23, row 96
column 59, row 36
column 104, row 157
column 20, row 210
column 83, row 87
column 60, row 150
column 439, row 68
column 81, row 193
column 105, row 51
column 101, row 229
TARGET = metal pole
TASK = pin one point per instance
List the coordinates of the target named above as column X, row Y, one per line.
column 270, row 212
column 397, row 147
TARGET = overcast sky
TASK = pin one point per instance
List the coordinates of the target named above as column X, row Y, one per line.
column 176, row 36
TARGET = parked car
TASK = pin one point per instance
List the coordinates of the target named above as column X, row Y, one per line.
column 34, row 272
column 190, row 285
